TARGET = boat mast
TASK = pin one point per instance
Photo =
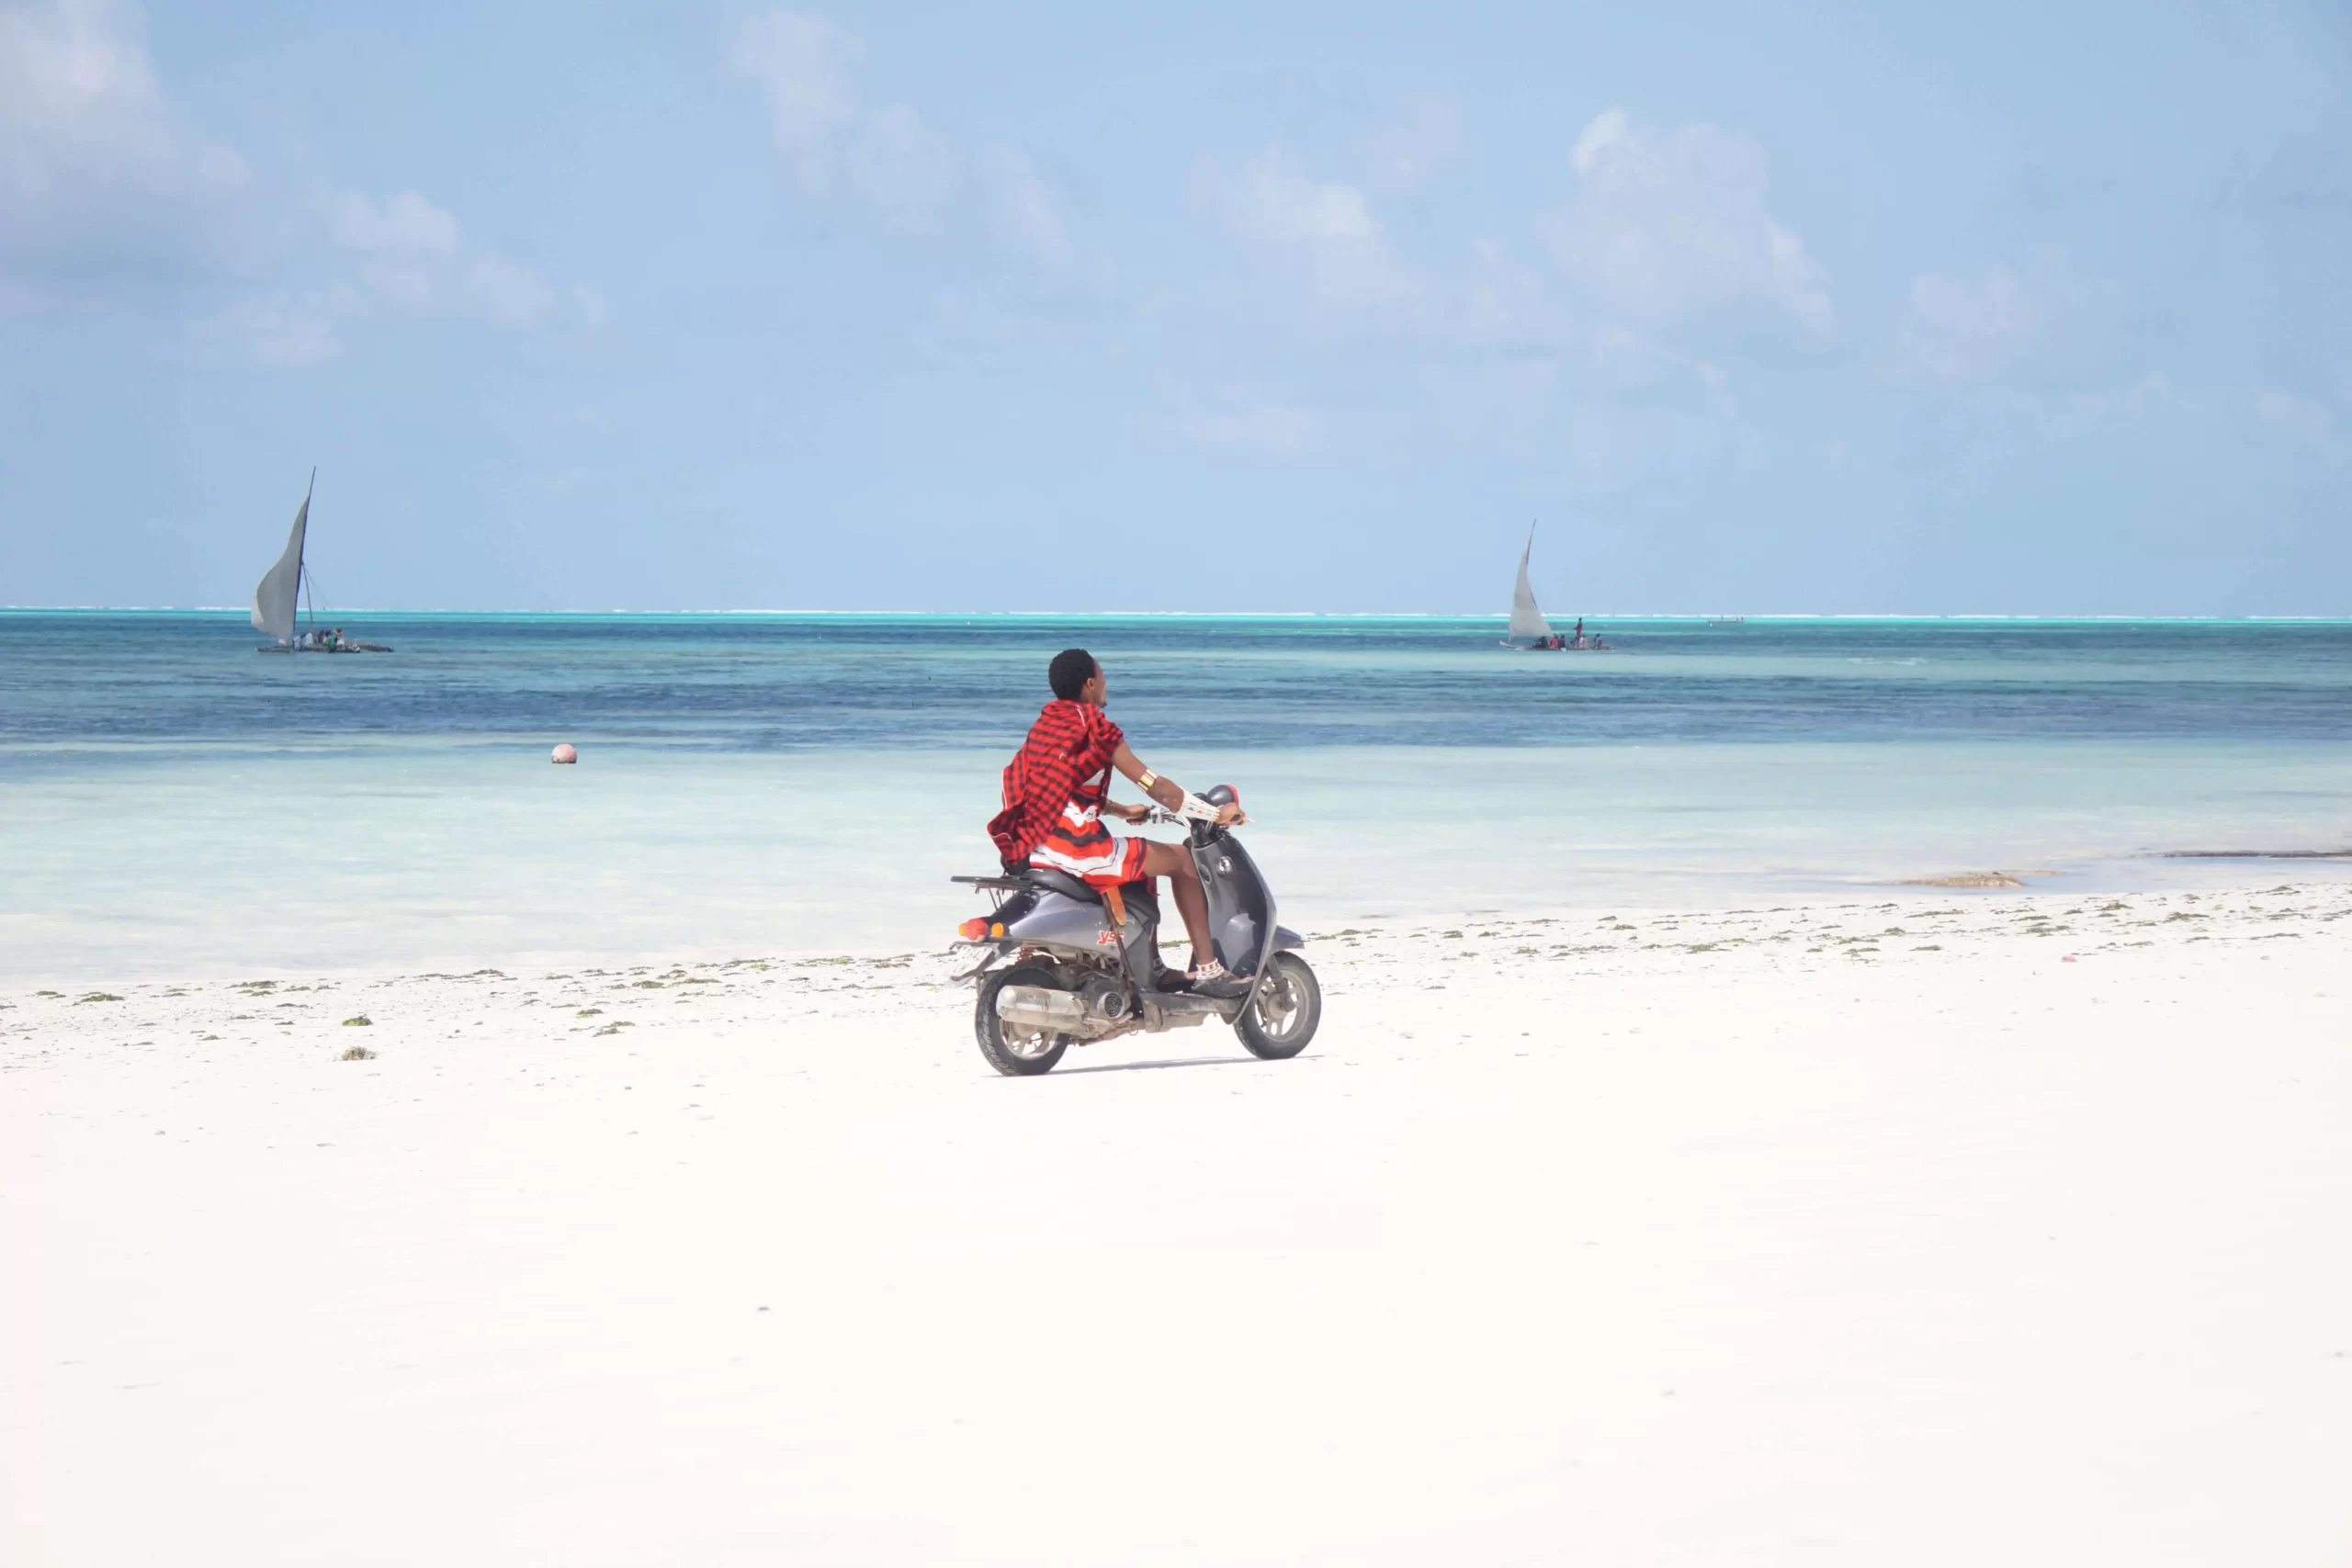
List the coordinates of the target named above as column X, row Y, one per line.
column 301, row 561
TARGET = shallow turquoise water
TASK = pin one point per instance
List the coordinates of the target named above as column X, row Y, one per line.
column 174, row 802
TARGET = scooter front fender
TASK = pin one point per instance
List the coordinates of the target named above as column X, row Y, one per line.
column 1242, row 907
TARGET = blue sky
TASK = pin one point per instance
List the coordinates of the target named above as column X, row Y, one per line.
column 2004, row 308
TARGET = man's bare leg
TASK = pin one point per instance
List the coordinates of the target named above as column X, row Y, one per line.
column 1174, row 862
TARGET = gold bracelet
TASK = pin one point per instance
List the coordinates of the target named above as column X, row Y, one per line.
column 1148, row 779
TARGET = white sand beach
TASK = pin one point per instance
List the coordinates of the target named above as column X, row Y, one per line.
column 1934, row 1229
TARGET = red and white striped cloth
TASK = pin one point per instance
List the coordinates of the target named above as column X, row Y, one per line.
column 1053, row 791
column 1080, row 845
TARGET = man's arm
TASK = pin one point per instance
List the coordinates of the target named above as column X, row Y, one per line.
column 1166, row 791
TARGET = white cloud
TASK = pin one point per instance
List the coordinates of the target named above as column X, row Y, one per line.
column 1973, row 431
column 1246, row 423
column 806, row 65
column 909, row 173
column 2040, row 326
column 2298, row 416
column 409, row 257
column 512, row 295
column 405, row 223
column 97, row 173
column 414, row 258
column 104, row 189
column 2060, row 416
column 288, row 329
column 1504, row 304
column 1323, row 232
column 803, row 62
column 79, row 105
column 1669, row 226
column 1405, row 153
column 1960, row 331
column 1024, row 209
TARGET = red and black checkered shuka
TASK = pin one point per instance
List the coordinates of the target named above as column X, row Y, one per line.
column 1065, row 762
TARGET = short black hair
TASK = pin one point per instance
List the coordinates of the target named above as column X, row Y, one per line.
column 1072, row 667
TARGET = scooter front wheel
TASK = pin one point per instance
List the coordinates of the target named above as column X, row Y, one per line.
column 1017, row 1050
column 1281, row 1020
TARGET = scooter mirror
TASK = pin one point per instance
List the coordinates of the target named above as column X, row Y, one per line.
column 1222, row 795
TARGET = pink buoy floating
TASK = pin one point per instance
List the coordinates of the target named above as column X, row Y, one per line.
column 564, row 753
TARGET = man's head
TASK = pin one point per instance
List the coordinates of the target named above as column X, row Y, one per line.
column 1076, row 677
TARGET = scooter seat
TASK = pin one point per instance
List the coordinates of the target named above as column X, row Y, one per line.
column 1063, row 883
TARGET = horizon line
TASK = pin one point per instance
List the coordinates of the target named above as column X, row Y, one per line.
column 1215, row 615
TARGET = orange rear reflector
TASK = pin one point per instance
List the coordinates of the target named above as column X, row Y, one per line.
column 997, row 929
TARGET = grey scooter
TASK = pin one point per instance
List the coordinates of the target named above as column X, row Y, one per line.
column 1083, row 969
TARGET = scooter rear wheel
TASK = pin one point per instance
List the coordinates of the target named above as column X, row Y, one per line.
column 1011, row 1048
column 1281, row 1018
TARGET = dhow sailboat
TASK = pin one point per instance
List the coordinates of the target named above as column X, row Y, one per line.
column 1530, row 632
column 280, row 593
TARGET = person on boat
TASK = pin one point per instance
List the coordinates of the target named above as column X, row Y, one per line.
column 1057, row 792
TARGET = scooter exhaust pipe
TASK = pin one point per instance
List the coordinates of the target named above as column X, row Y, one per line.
column 1059, row 1012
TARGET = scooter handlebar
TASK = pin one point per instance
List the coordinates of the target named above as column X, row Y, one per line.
column 1194, row 809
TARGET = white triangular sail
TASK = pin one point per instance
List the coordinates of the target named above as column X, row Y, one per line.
column 1527, row 622
column 274, row 596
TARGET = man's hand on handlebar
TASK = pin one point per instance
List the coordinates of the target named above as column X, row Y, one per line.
column 1157, row 814
column 1195, row 809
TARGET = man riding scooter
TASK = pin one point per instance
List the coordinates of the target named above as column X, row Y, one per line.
column 1056, row 790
